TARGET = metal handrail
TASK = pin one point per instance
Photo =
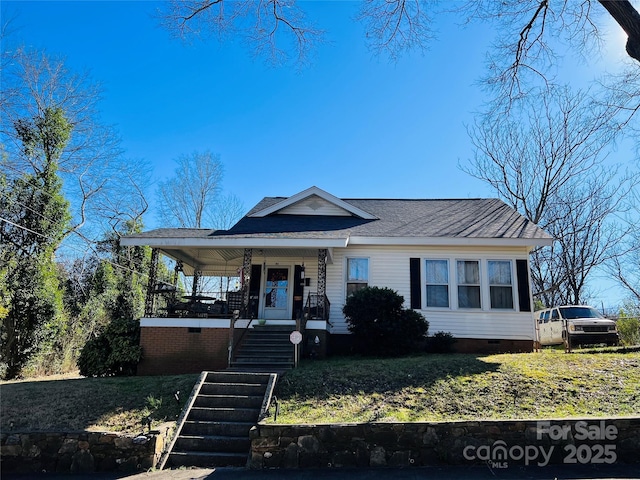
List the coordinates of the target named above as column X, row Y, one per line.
column 322, row 312
column 232, row 324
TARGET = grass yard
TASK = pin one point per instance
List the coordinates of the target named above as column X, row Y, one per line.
column 421, row 388
column 462, row 387
column 117, row 404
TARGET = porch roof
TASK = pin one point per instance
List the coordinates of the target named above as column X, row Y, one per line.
column 217, row 255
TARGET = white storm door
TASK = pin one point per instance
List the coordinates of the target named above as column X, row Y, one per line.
column 276, row 293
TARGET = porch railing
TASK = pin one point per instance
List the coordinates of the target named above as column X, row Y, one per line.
column 317, row 307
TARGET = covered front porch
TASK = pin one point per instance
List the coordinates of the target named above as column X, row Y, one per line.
column 266, row 285
column 212, row 291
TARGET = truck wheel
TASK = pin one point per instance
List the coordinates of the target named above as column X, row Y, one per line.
column 567, row 343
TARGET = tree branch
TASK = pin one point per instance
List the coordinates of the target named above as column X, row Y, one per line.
column 628, row 18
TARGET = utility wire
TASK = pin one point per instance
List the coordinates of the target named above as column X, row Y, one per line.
column 77, row 249
column 25, row 228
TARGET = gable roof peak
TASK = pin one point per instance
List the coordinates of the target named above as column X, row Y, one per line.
column 310, row 192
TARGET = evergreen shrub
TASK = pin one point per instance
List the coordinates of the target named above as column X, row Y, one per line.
column 115, row 351
column 381, row 326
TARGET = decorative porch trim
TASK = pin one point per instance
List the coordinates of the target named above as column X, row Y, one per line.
column 322, row 277
column 246, row 278
column 176, row 270
column 197, row 273
column 149, row 303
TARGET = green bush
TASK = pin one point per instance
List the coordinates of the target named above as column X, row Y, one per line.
column 441, row 342
column 115, row 351
column 379, row 324
column 629, row 330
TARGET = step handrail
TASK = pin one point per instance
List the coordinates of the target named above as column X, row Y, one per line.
column 268, row 396
column 233, row 345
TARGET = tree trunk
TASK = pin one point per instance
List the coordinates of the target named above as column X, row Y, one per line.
column 628, row 18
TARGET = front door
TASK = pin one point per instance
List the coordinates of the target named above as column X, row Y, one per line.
column 276, row 293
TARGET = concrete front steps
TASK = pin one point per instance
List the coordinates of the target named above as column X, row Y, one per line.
column 264, row 348
column 214, row 429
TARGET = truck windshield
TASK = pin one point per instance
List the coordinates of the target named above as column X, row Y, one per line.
column 579, row 312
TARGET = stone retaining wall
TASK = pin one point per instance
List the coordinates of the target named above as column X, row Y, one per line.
column 80, row 452
column 498, row 443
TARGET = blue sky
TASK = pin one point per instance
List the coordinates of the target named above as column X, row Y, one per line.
column 350, row 123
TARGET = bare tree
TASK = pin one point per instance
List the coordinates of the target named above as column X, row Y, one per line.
column 275, row 29
column 228, row 210
column 393, row 26
column 91, row 166
column 192, row 197
column 625, row 266
column 397, row 26
column 547, row 160
column 531, row 38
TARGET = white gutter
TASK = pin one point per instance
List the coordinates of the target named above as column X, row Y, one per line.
column 218, row 242
column 446, row 241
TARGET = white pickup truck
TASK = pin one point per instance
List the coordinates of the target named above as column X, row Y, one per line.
column 574, row 325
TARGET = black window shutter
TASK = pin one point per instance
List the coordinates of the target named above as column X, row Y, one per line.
column 415, row 287
column 522, row 273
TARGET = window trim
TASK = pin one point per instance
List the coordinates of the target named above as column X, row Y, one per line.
column 426, row 284
column 346, row 272
column 479, row 262
column 512, row 285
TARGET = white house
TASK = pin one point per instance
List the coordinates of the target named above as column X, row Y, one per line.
column 462, row 263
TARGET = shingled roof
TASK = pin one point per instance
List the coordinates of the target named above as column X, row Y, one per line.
column 453, row 218
column 394, row 218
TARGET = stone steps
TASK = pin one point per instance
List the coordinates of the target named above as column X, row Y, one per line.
column 215, row 430
column 266, row 348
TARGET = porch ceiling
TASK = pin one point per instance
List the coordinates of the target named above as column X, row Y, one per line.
column 226, row 261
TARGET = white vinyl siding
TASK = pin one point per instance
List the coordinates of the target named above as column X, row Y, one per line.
column 389, row 267
column 314, row 205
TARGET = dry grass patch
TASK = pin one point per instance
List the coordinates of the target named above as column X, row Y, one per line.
column 100, row 404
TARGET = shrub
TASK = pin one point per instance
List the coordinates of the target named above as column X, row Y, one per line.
column 115, row 351
column 441, row 342
column 629, row 330
column 379, row 324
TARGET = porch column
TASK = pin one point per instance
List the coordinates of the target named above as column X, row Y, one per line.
column 149, row 303
column 176, row 270
column 197, row 273
column 246, row 278
column 322, row 279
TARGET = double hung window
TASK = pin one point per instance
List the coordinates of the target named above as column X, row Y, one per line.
column 500, row 284
column 357, row 274
column 468, row 284
column 437, row 279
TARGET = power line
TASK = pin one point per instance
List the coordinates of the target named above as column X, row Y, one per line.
column 117, row 265
column 25, row 228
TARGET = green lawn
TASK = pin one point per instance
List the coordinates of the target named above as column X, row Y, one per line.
column 421, row 388
column 462, row 387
